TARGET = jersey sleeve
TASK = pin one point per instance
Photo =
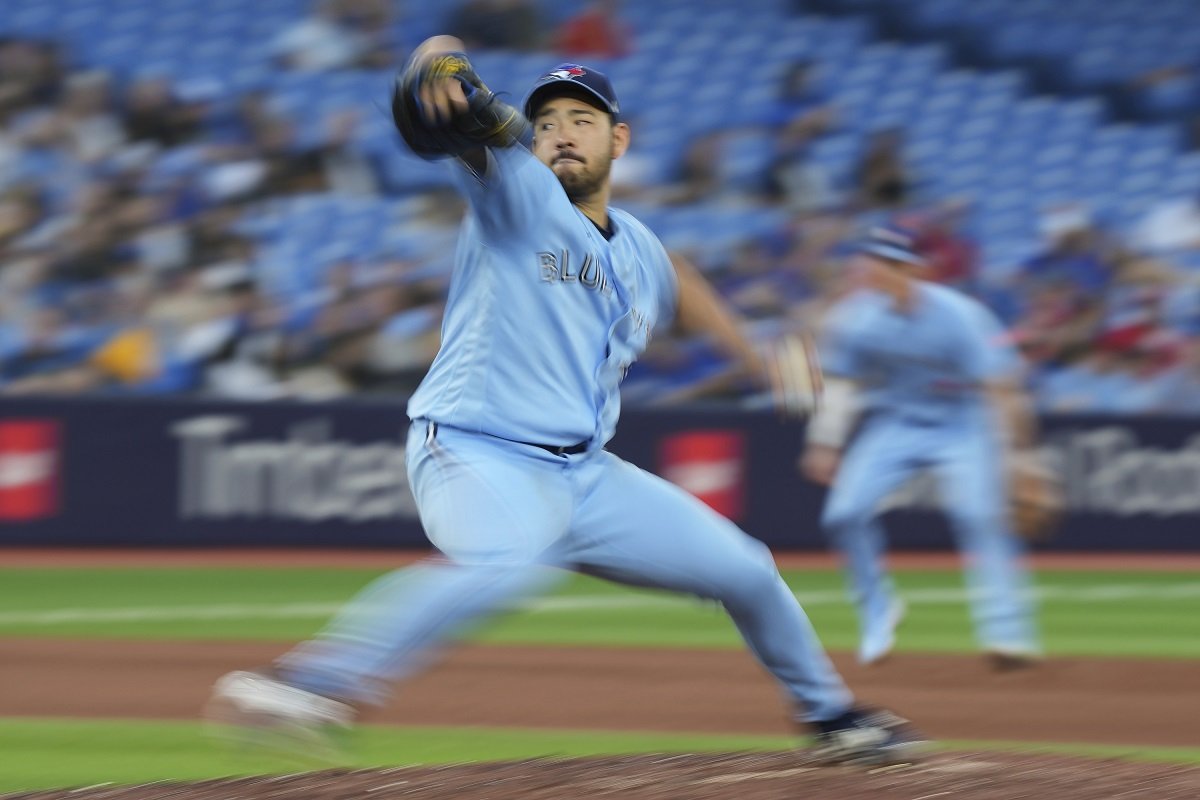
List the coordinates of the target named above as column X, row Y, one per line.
column 668, row 305
column 661, row 270
column 510, row 193
column 838, row 342
column 988, row 352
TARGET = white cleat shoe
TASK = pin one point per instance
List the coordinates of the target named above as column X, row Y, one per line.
column 259, row 709
column 880, row 639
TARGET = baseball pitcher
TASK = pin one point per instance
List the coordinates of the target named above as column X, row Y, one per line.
column 553, row 295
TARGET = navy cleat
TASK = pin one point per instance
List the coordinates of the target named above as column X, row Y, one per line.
column 1010, row 658
column 869, row 737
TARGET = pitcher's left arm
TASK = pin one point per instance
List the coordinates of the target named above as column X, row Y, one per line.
column 788, row 366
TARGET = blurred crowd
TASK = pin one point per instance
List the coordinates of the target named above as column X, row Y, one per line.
column 122, row 261
column 125, row 266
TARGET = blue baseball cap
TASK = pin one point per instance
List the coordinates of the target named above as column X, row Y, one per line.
column 590, row 81
column 892, row 243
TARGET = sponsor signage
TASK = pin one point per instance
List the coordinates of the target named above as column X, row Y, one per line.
column 227, row 471
column 711, row 464
column 161, row 472
column 29, row 464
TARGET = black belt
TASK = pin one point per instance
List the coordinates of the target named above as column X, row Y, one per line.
column 556, row 449
column 561, row 449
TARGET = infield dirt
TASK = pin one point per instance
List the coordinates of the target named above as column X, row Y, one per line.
column 1129, row 702
column 1106, row 701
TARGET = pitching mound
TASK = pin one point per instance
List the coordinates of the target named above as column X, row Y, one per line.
column 746, row 776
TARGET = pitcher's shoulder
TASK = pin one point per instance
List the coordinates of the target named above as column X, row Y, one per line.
column 632, row 225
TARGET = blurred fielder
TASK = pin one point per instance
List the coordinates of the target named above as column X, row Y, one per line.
column 937, row 387
column 553, row 296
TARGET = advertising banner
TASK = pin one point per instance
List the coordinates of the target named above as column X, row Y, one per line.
column 162, row 472
column 171, row 473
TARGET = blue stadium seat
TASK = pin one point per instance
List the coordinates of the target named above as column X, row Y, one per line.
column 967, row 131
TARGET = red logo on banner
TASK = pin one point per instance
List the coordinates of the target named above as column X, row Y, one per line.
column 710, row 465
column 28, row 469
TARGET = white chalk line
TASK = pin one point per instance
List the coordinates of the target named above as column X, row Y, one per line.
column 1102, row 593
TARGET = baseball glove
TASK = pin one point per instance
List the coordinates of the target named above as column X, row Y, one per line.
column 797, row 382
column 487, row 122
column 1035, row 496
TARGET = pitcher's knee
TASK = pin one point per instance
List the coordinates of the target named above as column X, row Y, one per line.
column 749, row 577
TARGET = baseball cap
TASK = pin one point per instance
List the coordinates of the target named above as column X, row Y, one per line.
column 891, row 242
column 591, row 81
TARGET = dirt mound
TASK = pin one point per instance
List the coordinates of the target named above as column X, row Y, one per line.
column 747, row 776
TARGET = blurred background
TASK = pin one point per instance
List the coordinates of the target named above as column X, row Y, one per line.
column 207, row 196
column 221, row 276
column 207, row 199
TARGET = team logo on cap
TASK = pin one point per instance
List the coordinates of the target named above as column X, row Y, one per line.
column 566, row 73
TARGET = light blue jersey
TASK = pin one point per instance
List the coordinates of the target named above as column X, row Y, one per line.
column 927, row 364
column 543, row 318
column 505, row 453
column 922, row 373
column 544, row 314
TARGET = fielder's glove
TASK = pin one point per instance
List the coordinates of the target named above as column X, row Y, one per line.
column 487, row 122
column 797, row 382
column 1035, row 496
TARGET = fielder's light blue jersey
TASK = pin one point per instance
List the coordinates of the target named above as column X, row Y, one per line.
column 926, row 365
column 544, row 315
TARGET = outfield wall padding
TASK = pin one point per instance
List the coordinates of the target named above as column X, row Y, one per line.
column 169, row 472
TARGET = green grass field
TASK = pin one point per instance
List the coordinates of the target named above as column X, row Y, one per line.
column 1129, row 614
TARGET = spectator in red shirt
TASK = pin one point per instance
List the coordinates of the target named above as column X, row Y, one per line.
column 595, row 32
column 951, row 255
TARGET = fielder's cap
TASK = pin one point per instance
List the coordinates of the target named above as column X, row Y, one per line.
column 891, row 242
column 590, row 81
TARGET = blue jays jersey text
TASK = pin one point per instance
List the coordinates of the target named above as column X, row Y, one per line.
column 544, row 315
